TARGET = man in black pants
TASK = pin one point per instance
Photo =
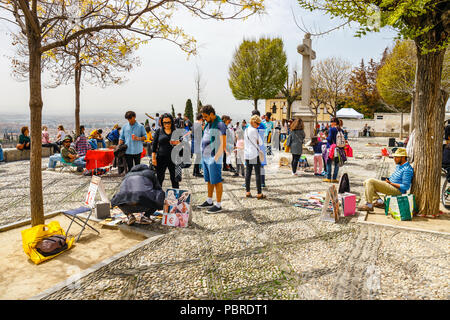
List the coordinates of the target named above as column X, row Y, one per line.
column 133, row 135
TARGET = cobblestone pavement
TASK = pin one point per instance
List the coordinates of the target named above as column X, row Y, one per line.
column 256, row 249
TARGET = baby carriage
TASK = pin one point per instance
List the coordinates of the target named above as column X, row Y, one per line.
column 303, row 163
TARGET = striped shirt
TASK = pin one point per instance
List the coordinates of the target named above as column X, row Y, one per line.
column 403, row 175
column 82, row 145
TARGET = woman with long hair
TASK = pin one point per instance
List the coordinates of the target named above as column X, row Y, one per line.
column 46, row 141
column 61, row 135
column 295, row 142
column 162, row 150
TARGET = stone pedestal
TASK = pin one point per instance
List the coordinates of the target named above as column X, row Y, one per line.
column 301, row 109
column 308, row 117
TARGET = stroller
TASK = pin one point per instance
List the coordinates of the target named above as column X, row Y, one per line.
column 303, row 162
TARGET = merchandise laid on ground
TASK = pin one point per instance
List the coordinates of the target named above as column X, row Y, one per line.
column 292, row 245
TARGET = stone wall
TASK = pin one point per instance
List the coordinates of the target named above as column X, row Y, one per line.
column 12, row 154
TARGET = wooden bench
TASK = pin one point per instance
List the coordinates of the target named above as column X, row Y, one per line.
column 12, row 154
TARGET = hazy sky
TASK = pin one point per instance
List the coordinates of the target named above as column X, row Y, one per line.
column 166, row 77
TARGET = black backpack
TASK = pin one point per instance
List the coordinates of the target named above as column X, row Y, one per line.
column 344, row 184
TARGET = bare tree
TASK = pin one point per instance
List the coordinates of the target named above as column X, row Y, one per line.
column 199, row 87
column 318, row 93
column 292, row 90
column 36, row 19
column 332, row 75
column 93, row 58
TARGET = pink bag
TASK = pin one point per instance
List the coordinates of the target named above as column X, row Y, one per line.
column 348, row 201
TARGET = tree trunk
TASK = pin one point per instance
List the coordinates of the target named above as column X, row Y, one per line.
column 289, row 110
column 429, row 119
column 412, row 122
column 36, row 198
column 401, row 125
column 255, row 101
column 77, row 98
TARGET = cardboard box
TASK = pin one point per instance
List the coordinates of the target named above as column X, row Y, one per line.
column 102, row 210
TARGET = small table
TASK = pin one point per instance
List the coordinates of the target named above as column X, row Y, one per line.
column 99, row 158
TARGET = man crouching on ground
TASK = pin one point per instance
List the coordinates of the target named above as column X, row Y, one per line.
column 213, row 143
column 398, row 183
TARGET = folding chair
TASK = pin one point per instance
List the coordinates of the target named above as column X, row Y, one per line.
column 73, row 216
column 66, row 165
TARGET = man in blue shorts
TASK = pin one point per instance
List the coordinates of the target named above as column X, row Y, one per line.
column 213, row 143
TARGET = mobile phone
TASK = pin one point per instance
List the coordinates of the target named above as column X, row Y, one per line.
column 383, row 178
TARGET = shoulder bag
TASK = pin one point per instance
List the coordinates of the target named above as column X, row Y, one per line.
column 260, row 153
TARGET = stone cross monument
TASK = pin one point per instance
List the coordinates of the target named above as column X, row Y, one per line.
column 302, row 109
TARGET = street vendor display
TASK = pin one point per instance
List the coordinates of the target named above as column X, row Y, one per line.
column 99, row 158
column 177, row 208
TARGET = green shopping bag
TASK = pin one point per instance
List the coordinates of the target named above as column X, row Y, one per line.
column 401, row 208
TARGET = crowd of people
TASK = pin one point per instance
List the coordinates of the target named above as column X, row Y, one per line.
column 213, row 144
column 72, row 150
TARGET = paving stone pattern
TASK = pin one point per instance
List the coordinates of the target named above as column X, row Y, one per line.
column 255, row 249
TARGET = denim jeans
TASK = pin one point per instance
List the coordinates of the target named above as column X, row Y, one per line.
column 254, row 163
column 53, row 160
column 102, row 143
column 80, row 163
column 336, row 168
column 1, row 154
column 93, row 143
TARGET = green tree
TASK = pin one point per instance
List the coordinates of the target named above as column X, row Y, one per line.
column 427, row 23
column 396, row 78
column 361, row 90
column 189, row 111
column 173, row 112
column 258, row 70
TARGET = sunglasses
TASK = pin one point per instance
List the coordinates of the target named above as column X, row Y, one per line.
column 167, row 122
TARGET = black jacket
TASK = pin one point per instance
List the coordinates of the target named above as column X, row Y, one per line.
column 139, row 191
column 119, row 158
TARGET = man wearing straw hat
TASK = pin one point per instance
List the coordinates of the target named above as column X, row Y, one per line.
column 398, row 183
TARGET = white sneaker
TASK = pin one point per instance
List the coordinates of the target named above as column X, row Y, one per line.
column 50, row 169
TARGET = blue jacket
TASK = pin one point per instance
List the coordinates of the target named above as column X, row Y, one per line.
column 403, row 175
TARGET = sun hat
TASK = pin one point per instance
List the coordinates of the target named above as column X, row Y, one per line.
column 400, row 152
column 67, row 137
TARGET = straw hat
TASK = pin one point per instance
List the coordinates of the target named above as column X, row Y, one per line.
column 400, row 152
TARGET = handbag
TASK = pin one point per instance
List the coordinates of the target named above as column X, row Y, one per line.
column 287, row 149
column 260, row 153
column 401, row 207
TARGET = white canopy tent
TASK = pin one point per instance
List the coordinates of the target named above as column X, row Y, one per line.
column 349, row 113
